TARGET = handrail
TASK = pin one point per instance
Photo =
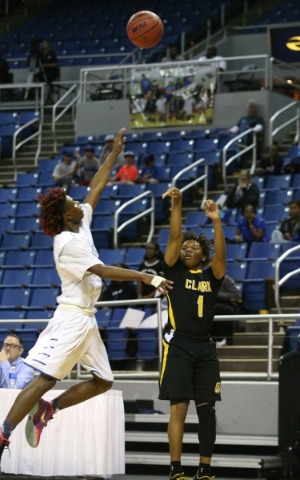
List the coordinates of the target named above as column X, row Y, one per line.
column 197, row 180
column 278, row 282
column 56, row 118
column 247, row 149
column 296, row 119
column 268, row 375
column 136, row 217
column 16, row 146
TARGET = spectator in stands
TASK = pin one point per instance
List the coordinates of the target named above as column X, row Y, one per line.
column 107, row 149
column 250, row 227
column 145, row 85
column 128, row 173
column 250, row 120
column 289, row 229
column 228, row 302
column 271, row 164
column 86, row 167
column 119, row 289
column 172, row 54
column 161, row 107
column 151, row 173
column 212, row 54
column 63, row 172
column 153, row 262
column 4, row 69
column 244, row 193
column 49, row 66
column 10, row 355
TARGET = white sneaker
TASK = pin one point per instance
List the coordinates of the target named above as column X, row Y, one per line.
column 222, row 343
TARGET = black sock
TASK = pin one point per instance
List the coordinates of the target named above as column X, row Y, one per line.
column 204, row 469
column 56, row 405
column 175, row 468
column 7, row 428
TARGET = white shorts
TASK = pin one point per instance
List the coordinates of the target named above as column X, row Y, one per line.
column 70, row 337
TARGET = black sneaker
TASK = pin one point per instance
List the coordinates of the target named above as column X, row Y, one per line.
column 179, row 476
column 196, row 477
column 4, row 442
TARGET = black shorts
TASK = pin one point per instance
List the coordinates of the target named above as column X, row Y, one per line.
column 190, row 371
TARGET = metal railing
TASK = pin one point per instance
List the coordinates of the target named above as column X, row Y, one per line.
column 150, row 210
column 269, row 374
column 17, row 146
column 56, row 117
column 197, row 180
column 252, row 147
column 37, row 104
column 279, row 283
column 296, row 119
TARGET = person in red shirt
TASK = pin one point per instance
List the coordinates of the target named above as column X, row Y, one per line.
column 128, row 173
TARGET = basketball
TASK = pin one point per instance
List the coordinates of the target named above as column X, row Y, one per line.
column 145, row 29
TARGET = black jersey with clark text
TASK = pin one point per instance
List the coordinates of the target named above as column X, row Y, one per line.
column 191, row 302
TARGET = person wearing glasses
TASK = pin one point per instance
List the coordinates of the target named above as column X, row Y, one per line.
column 11, row 355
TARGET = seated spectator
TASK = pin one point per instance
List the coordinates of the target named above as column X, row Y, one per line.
column 250, row 227
column 244, row 193
column 119, row 290
column 63, row 172
column 107, row 149
column 212, row 54
column 151, row 173
column 251, row 120
column 10, row 355
column 128, row 173
column 4, row 69
column 271, row 164
column 161, row 107
column 86, row 167
column 172, row 54
column 152, row 264
column 228, row 303
column 289, row 229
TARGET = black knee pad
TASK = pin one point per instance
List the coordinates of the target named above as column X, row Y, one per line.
column 207, row 428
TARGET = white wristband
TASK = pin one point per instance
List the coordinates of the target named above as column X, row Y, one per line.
column 157, row 280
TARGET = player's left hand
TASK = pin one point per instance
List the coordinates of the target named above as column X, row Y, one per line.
column 160, row 283
column 119, row 142
column 212, row 210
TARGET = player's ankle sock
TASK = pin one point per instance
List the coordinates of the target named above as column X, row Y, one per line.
column 56, row 405
column 204, row 469
column 175, row 468
column 7, row 428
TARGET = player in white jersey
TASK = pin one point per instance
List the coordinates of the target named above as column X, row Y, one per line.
column 72, row 334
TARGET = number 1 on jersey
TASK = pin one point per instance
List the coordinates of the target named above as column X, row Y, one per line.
column 200, row 306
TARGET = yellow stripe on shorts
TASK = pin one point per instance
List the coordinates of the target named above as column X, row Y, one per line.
column 164, row 362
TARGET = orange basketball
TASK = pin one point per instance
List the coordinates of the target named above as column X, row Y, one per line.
column 145, row 29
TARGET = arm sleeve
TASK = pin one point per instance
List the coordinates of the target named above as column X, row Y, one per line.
column 76, row 259
column 56, row 171
column 258, row 128
column 88, row 213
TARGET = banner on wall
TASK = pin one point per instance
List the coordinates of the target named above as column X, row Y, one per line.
column 172, row 96
column 284, row 42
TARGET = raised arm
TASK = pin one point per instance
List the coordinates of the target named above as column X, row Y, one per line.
column 218, row 263
column 175, row 236
column 100, row 180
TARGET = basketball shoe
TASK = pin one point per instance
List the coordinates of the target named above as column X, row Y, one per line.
column 179, row 476
column 205, row 477
column 37, row 419
column 4, row 442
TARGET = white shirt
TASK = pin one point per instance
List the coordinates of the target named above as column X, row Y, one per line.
column 74, row 254
column 221, row 64
column 161, row 104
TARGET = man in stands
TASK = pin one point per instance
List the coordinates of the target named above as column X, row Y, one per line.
column 63, row 172
column 212, row 54
column 86, row 167
column 151, row 173
column 173, row 55
column 10, row 355
column 244, row 193
column 128, row 173
column 289, row 229
column 250, row 120
column 107, row 149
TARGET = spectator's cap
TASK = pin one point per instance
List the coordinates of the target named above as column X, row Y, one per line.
column 109, row 138
column 68, row 153
column 129, row 153
column 89, row 148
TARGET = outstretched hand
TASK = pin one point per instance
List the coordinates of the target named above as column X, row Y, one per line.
column 172, row 192
column 212, row 210
column 119, row 141
column 160, row 283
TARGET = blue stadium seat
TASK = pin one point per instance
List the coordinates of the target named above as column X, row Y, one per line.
column 116, row 343
column 46, row 277
column 254, row 285
column 44, row 297
column 12, row 315
column 293, row 333
column 273, row 213
column 263, row 251
column 195, row 218
column 288, row 245
column 260, row 269
column 278, row 196
column 134, row 256
column 107, row 206
column 137, row 148
column 8, row 209
column 130, row 191
column 288, row 265
column 110, row 191
column 182, row 146
column 79, row 193
column 270, row 227
column 25, row 179
column 108, row 257
column 15, row 240
column 27, row 208
column 117, row 316
column 8, row 118
column 229, row 231
column 175, row 135
column 231, row 216
column 147, row 344
column 182, row 159
column 7, row 225
column 46, row 179
column 6, row 133
column 17, row 277
column 278, row 182
column 103, row 317
column 206, row 144
column 9, row 194
column 259, row 182
column 27, row 224
column 44, row 258
column 163, row 236
column 38, row 315
column 14, row 298
column 28, row 193
column 295, row 180
column 2, row 258
column 151, row 136
column 236, row 251
column 40, row 240
column 158, row 147
column 103, row 222
column 47, row 164
column 19, row 258
column 237, row 270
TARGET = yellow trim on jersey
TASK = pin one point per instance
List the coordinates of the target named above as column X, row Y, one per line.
column 164, row 362
column 196, row 271
column 171, row 314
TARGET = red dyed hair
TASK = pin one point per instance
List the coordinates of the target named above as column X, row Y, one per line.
column 52, row 209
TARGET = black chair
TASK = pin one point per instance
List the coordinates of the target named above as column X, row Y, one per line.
column 243, row 80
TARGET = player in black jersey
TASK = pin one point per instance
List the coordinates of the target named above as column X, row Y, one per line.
column 190, row 367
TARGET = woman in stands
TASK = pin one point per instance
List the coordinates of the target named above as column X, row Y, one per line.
column 72, row 335
column 250, row 227
column 153, row 265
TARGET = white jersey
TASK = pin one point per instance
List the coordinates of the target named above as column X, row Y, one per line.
column 74, row 254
